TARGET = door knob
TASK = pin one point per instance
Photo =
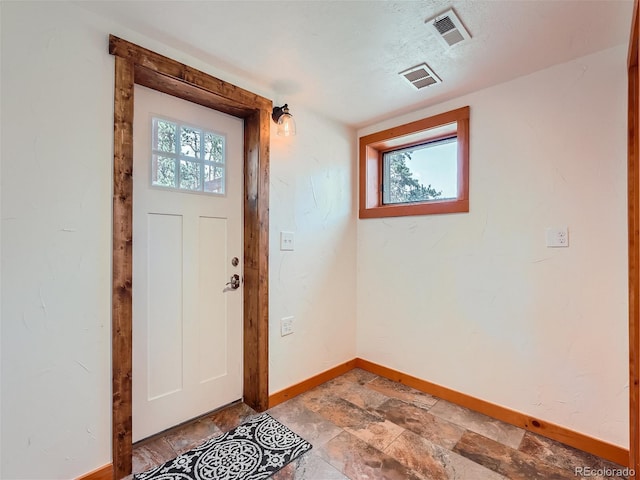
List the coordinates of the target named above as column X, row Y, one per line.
column 235, row 281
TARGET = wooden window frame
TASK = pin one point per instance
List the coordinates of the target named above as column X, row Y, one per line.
column 373, row 146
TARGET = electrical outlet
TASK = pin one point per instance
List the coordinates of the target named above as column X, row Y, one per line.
column 287, row 240
column 557, row 237
column 286, row 326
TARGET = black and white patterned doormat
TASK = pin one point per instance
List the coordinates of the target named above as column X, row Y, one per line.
column 252, row 451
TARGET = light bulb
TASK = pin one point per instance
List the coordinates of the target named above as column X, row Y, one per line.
column 286, row 125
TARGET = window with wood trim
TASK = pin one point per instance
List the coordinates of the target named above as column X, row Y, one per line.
column 420, row 168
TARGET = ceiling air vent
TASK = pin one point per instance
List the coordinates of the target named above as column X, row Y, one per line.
column 448, row 28
column 420, row 76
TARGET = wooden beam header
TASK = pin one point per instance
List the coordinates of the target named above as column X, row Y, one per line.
column 187, row 78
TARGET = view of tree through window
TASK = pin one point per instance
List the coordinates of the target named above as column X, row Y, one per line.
column 420, row 173
column 187, row 158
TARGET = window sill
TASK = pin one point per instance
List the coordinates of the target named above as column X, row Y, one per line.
column 434, row 207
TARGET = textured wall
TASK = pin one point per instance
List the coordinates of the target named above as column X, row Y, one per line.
column 476, row 302
column 57, row 144
column 496, row 315
column 313, row 195
column 57, row 123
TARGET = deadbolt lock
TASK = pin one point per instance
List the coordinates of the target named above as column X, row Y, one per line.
column 235, row 281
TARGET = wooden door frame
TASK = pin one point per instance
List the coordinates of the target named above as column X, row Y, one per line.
column 137, row 65
column 633, row 211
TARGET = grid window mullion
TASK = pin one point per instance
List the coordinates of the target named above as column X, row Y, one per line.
column 201, row 160
column 185, row 165
column 178, row 155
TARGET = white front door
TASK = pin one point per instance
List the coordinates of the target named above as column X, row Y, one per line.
column 187, row 231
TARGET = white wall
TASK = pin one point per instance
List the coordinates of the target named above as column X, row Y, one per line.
column 476, row 302
column 57, row 123
column 57, row 118
column 500, row 316
column 313, row 195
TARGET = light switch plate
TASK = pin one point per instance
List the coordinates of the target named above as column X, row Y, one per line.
column 286, row 326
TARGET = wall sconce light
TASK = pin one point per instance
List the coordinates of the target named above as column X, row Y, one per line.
column 286, row 124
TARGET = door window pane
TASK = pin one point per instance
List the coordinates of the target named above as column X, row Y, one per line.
column 190, row 142
column 163, row 171
column 214, row 179
column 187, row 158
column 164, row 135
column 190, row 175
column 214, row 147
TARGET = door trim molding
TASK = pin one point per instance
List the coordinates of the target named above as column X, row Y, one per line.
column 633, row 213
column 137, row 65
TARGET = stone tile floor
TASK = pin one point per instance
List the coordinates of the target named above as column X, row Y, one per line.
column 363, row 426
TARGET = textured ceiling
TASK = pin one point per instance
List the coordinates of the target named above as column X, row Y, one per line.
column 342, row 58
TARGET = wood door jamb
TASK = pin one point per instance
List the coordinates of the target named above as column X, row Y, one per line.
column 137, row 65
